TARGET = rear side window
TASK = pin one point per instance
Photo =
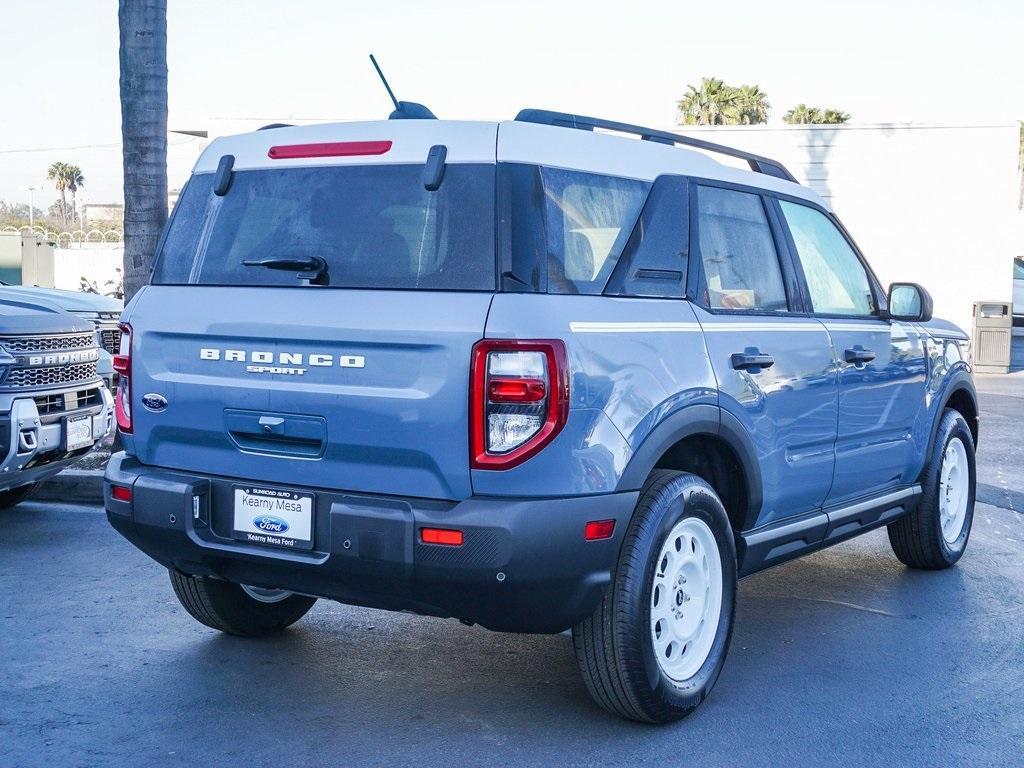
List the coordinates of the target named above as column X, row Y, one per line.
column 741, row 265
column 836, row 279
column 376, row 226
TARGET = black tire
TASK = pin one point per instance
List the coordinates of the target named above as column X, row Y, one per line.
column 614, row 647
column 15, row 495
column 226, row 607
column 917, row 538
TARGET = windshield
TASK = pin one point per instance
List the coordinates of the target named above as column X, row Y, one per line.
column 375, row 226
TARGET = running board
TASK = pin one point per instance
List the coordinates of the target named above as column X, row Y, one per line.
column 776, row 543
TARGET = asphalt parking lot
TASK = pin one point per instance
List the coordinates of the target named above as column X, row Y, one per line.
column 842, row 658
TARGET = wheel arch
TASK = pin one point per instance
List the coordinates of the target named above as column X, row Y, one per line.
column 961, row 396
column 709, row 442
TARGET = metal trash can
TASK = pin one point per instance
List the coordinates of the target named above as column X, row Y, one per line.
column 993, row 327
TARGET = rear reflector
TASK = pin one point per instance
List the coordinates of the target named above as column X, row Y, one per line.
column 596, row 530
column 441, row 536
column 501, row 390
column 329, row 149
column 121, row 493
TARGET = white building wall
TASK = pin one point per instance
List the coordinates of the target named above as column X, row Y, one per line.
column 936, row 205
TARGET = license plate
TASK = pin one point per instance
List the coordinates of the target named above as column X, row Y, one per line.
column 78, row 432
column 273, row 517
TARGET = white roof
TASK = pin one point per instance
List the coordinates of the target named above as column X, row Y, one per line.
column 487, row 142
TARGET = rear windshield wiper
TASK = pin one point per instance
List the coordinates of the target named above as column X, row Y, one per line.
column 311, row 270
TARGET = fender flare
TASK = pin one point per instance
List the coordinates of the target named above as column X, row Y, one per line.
column 693, row 420
column 959, row 381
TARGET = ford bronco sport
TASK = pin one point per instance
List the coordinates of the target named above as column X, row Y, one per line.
column 529, row 374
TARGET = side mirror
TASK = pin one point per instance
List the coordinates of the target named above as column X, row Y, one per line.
column 909, row 302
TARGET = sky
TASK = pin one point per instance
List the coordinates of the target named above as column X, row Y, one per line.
column 933, row 61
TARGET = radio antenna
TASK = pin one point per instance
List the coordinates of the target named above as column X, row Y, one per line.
column 384, row 80
column 404, row 110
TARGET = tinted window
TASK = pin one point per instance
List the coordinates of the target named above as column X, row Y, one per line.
column 375, row 226
column 741, row 265
column 1018, row 269
column 836, row 279
column 588, row 218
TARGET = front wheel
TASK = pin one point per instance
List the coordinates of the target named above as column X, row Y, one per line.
column 238, row 609
column 935, row 534
column 655, row 646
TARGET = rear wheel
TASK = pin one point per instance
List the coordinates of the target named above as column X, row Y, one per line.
column 238, row 609
column 655, row 646
column 15, row 495
column 935, row 535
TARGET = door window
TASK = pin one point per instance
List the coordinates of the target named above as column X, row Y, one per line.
column 741, row 265
column 836, row 279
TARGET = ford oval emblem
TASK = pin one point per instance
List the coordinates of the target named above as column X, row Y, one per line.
column 270, row 524
column 154, row 402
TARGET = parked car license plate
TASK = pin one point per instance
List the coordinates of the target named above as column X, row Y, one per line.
column 78, row 432
column 274, row 517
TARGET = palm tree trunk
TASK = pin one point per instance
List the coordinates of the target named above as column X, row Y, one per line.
column 143, row 56
column 63, row 208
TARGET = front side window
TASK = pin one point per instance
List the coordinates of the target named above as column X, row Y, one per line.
column 836, row 279
column 741, row 265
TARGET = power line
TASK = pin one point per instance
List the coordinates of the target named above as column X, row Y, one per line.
column 112, row 145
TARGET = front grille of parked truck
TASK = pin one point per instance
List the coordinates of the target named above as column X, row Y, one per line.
column 111, row 337
column 23, row 374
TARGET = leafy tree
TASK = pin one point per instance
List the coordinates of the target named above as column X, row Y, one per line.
column 143, row 59
column 802, row 114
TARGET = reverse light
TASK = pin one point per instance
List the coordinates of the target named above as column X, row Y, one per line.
column 123, row 367
column 519, row 400
column 596, row 530
column 449, row 536
column 329, row 149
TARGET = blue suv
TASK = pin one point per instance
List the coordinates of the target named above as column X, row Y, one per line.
column 535, row 374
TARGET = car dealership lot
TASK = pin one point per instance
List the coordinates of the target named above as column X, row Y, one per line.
column 844, row 657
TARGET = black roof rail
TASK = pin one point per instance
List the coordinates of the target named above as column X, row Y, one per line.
column 581, row 122
column 274, row 125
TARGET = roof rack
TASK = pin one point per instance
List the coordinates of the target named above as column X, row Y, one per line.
column 581, row 122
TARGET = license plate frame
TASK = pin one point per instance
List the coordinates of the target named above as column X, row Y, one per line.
column 260, row 511
column 82, row 438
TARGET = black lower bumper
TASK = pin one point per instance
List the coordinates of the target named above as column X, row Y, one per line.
column 524, row 565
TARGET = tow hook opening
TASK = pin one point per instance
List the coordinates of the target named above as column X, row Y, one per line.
column 27, row 441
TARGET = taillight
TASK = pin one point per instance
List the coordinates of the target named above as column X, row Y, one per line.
column 518, row 400
column 123, row 367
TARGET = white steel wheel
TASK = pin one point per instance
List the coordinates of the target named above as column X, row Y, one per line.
column 954, row 482
column 265, row 594
column 686, row 599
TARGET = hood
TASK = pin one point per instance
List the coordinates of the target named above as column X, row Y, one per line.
column 23, row 317
column 71, row 301
column 943, row 328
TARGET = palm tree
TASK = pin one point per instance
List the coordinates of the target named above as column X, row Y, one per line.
column 751, row 105
column 802, row 114
column 143, row 58
column 60, row 174
column 710, row 104
column 76, row 181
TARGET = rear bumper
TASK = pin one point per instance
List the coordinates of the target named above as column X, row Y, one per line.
column 524, row 565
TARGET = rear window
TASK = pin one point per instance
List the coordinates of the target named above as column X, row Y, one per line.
column 375, row 226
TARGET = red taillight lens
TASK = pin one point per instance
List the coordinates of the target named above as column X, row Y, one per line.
column 596, row 530
column 329, row 149
column 121, row 493
column 448, row 536
column 519, row 400
column 123, row 366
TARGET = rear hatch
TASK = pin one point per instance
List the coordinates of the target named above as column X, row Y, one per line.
column 339, row 356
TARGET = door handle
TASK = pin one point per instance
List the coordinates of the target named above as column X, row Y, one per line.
column 858, row 356
column 752, row 358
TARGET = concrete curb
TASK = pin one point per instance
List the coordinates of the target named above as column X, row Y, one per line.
column 72, row 486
